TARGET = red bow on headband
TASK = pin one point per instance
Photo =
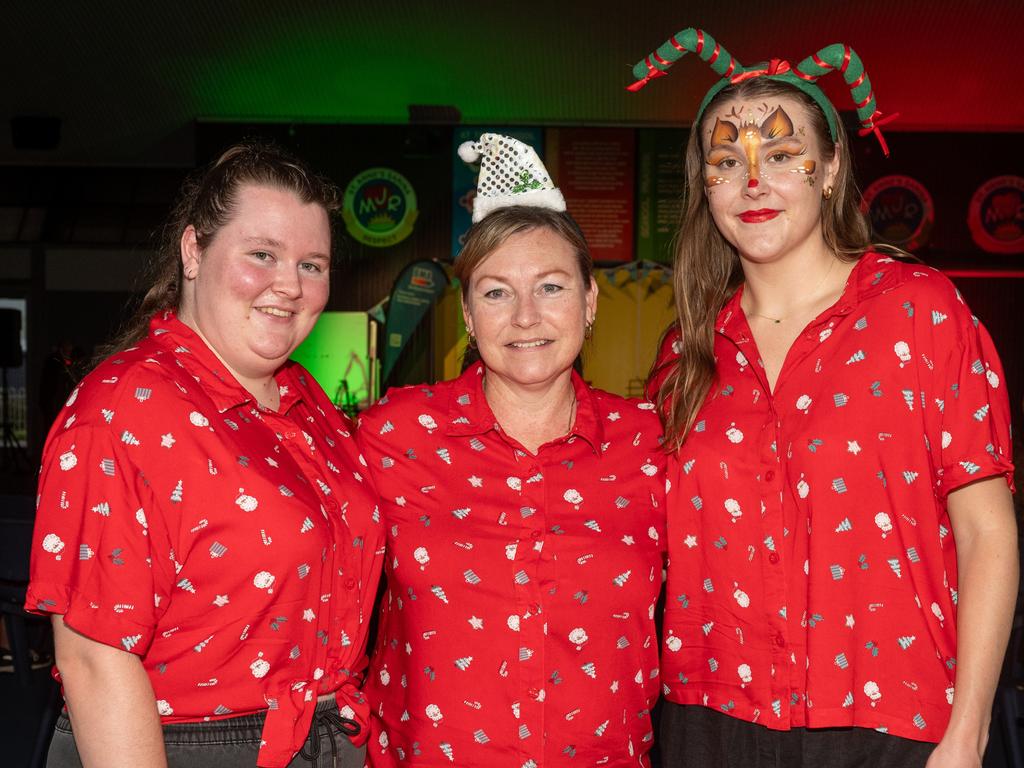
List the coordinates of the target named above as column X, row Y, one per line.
column 775, row 67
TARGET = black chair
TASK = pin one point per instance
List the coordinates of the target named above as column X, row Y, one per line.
column 16, row 521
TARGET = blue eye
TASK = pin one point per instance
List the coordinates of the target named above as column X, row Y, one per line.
column 494, row 293
column 551, row 288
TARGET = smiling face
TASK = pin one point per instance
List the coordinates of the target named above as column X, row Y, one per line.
column 256, row 290
column 764, row 172
column 528, row 306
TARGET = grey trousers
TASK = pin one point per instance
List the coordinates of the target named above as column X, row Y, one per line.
column 229, row 743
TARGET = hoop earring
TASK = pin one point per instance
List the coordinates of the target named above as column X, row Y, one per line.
column 471, row 343
column 588, row 332
column 827, row 193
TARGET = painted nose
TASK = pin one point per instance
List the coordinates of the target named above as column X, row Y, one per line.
column 756, row 187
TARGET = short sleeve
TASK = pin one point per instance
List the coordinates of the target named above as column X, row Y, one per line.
column 100, row 555
column 975, row 412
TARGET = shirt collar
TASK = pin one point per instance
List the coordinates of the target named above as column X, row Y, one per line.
column 873, row 274
column 199, row 361
column 469, row 414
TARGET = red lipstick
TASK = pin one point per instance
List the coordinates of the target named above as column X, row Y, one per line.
column 758, row 216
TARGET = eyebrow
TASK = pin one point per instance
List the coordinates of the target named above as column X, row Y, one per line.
column 272, row 243
column 783, row 140
column 541, row 276
column 260, row 240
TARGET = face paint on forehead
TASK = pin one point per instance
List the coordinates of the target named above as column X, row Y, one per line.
column 777, row 125
column 750, row 134
column 723, row 133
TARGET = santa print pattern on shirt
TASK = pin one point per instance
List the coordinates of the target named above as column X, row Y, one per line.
column 234, row 549
column 812, row 578
column 518, row 624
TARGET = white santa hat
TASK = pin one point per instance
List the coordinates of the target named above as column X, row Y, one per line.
column 510, row 174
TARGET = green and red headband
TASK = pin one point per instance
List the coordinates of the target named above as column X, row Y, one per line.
column 836, row 57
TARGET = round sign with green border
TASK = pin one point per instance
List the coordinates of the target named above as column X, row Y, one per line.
column 379, row 208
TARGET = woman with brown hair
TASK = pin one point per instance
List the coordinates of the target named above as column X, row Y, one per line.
column 524, row 516
column 205, row 540
column 842, row 544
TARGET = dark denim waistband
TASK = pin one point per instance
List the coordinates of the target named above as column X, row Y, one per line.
column 244, row 729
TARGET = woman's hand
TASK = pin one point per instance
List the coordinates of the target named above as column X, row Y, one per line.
column 110, row 702
column 954, row 755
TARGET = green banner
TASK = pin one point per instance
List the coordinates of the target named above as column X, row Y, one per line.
column 416, row 289
column 659, row 193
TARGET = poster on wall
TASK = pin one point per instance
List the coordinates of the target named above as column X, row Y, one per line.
column 901, row 212
column 464, row 175
column 594, row 169
column 996, row 215
column 659, row 191
column 379, row 207
column 415, row 291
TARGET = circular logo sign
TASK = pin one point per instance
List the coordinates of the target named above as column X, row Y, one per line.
column 996, row 215
column 900, row 210
column 379, row 207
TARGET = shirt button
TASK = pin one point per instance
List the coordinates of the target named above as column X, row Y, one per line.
column 534, row 534
column 773, row 558
column 533, row 693
column 769, row 475
column 350, row 583
column 534, row 608
column 780, row 641
column 332, row 505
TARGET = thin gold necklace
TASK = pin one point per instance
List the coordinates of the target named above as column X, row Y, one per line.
column 572, row 405
column 814, row 290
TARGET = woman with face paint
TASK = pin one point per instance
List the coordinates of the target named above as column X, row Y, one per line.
column 843, row 559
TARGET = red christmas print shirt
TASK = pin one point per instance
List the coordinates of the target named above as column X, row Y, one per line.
column 812, row 577
column 234, row 549
column 518, row 624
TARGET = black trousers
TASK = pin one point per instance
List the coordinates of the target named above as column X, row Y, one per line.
column 692, row 736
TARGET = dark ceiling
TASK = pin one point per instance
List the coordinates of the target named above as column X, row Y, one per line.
column 129, row 79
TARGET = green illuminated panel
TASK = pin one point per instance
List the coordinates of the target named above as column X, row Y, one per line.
column 335, row 352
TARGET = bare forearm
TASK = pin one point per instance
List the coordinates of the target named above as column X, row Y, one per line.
column 987, row 560
column 110, row 702
column 988, row 591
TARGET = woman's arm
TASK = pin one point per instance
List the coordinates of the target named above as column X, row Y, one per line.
column 110, row 702
column 985, row 532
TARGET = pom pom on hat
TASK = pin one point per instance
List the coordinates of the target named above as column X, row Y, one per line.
column 469, row 151
column 510, row 174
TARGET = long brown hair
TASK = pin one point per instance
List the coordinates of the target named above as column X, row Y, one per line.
column 207, row 202
column 707, row 267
